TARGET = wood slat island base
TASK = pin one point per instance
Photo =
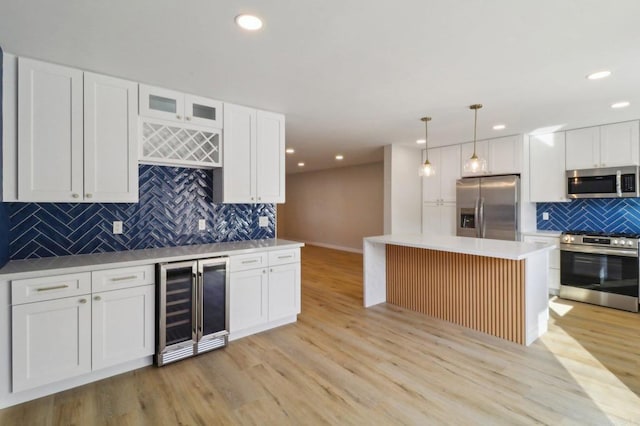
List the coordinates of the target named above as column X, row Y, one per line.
column 482, row 293
column 496, row 287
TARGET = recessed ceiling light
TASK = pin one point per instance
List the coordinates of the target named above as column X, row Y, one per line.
column 421, row 141
column 249, row 22
column 598, row 75
column 622, row 104
column 499, row 127
column 289, row 150
column 301, row 164
column 339, row 157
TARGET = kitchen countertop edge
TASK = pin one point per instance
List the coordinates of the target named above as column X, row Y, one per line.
column 32, row 268
column 512, row 250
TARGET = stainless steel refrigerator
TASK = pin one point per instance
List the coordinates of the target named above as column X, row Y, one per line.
column 487, row 207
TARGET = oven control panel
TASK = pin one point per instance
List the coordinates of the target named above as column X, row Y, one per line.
column 618, row 241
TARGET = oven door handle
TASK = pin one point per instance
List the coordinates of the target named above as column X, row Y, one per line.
column 599, row 250
column 619, row 183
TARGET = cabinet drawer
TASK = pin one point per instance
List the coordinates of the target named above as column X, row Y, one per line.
column 50, row 287
column 280, row 257
column 247, row 261
column 114, row 279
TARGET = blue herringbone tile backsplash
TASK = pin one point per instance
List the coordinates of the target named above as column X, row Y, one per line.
column 172, row 199
column 605, row 214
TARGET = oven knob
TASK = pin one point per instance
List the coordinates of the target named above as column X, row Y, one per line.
column 573, row 239
column 629, row 243
column 615, row 242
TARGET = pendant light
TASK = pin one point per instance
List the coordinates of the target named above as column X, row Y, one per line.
column 475, row 164
column 427, row 168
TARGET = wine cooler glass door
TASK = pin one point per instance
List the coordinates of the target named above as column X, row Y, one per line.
column 178, row 309
column 213, row 312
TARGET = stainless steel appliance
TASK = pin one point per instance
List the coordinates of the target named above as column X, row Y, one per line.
column 192, row 308
column 487, row 207
column 614, row 182
column 600, row 268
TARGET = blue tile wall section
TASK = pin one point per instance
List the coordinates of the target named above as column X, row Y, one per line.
column 4, row 215
column 172, row 199
column 604, row 214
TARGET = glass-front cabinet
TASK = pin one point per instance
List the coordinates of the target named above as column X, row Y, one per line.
column 165, row 104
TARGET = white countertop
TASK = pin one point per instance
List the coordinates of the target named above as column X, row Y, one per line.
column 514, row 250
column 90, row 262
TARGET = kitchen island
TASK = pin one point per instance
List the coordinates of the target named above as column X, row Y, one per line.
column 497, row 287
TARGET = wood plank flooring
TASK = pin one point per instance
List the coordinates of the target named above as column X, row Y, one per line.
column 343, row 364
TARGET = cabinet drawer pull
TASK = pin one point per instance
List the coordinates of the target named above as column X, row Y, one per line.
column 82, row 300
column 130, row 277
column 75, row 195
column 245, row 262
column 57, row 287
column 97, row 298
column 289, row 256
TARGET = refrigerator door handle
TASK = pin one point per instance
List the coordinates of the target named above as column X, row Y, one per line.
column 476, row 217
column 481, row 230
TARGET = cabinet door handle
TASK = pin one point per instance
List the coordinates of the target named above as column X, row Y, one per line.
column 188, row 118
column 130, row 277
column 264, row 271
column 82, row 301
column 178, row 116
column 97, row 298
column 55, row 287
column 88, row 195
column 75, row 195
column 271, row 270
column 259, row 198
column 245, row 262
column 251, row 198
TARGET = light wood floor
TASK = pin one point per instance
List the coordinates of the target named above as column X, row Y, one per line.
column 343, row 364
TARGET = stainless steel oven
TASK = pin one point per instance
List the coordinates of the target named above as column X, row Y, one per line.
column 602, row 269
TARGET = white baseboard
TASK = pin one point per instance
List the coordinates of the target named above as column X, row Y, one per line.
column 334, row 246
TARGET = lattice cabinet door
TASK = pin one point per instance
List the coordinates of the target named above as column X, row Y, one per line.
column 175, row 144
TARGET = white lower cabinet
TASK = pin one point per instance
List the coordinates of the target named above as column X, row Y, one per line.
column 284, row 291
column 439, row 218
column 122, row 324
column 65, row 337
column 51, row 341
column 247, row 299
column 262, row 297
column 553, row 275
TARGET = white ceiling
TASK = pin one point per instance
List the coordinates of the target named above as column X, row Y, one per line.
column 353, row 75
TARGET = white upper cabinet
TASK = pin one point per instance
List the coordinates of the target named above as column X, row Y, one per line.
column 547, row 168
column 503, row 155
column 253, row 157
column 110, row 144
column 270, row 156
column 76, row 135
column 165, row 104
column 441, row 187
column 583, row 148
column 611, row 145
column 620, row 144
column 50, row 132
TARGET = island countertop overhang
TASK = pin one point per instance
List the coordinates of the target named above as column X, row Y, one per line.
column 513, row 250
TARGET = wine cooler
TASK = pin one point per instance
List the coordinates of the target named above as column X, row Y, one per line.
column 192, row 308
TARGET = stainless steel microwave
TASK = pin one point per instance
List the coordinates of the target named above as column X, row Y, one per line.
column 611, row 182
